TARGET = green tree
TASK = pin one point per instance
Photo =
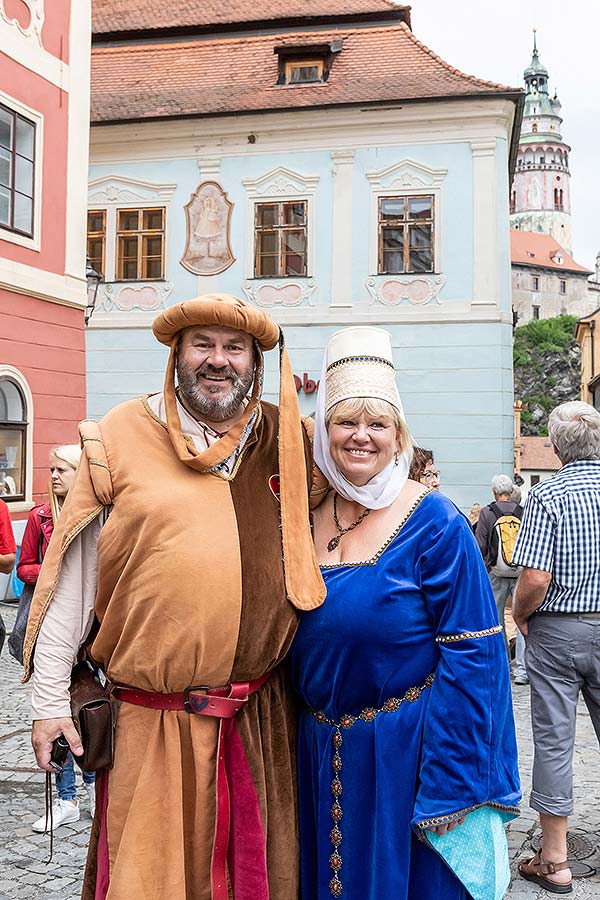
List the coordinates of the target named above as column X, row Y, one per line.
column 546, row 368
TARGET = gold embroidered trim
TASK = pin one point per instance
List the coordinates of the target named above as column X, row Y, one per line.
column 467, row 635
column 381, row 551
column 360, row 359
column 452, row 817
column 369, row 714
column 96, row 462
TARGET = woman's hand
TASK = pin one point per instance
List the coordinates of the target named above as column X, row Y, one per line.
column 449, row 826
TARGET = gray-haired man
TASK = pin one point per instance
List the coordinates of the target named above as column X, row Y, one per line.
column 502, row 577
column 557, row 607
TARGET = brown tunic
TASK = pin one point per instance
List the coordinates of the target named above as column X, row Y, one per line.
column 191, row 591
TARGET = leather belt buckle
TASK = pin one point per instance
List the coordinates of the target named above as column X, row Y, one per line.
column 195, row 705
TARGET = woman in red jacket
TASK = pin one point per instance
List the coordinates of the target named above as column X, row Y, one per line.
column 38, row 531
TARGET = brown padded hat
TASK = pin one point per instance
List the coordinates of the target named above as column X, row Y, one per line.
column 223, row 310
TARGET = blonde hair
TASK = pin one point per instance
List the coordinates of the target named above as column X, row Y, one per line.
column 68, row 453
column 474, row 513
column 373, row 408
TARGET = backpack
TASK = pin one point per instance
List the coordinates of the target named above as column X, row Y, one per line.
column 503, row 538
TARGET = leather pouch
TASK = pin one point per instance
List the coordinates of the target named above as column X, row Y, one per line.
column 94, row 713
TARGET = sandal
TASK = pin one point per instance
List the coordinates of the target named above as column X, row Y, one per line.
column 536, row 868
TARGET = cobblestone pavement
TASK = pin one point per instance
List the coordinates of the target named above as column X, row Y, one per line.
column 26, row 875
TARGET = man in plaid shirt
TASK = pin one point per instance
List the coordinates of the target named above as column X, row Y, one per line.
column 557, row 608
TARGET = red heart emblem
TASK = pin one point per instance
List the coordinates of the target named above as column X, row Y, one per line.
column 274, row 484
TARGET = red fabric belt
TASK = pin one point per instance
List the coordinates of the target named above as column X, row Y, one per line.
column 223, row 703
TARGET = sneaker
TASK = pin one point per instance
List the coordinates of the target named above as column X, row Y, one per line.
column 63, row 812
column 90, row 790
column 521, row 679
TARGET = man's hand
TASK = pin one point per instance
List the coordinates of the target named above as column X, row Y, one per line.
column 529, row 595
column 45, row 732
column 449, row 826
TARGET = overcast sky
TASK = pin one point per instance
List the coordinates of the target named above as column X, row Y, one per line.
column 494, row 40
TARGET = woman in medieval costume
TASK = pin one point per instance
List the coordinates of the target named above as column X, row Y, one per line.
column 407, row 762
column 36, row 537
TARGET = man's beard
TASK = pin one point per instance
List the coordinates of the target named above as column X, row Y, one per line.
column 218, row 408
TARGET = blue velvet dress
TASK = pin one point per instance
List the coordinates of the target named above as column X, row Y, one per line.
column 406, row 717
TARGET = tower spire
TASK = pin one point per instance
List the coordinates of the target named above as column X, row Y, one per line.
column 540, row 198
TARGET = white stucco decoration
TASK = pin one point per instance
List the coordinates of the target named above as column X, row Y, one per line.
column 143, row 295
column 280, row 181
column 393, row 290
column 406, row 174
column 279, row 292
column 36, row 18
column 118, row 189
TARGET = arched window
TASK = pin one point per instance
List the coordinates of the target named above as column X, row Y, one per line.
column 513, row 201
column 13, row 440
column 534, row 127
column 560, row 199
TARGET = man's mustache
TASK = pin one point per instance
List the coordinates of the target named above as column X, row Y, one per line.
column 224, row 372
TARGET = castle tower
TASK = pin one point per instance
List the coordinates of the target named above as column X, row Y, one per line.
column 540, row 195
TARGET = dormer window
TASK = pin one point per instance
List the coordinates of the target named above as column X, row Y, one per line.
column 308, row 64
column 303, row 71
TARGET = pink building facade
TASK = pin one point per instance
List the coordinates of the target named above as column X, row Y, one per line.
column 44, row 115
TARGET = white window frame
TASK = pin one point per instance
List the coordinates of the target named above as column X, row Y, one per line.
column 280, row 185
column 18, row 377
column 35, row 241
column 406, row 179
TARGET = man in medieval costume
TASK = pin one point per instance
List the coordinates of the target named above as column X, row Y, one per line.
column 181, row 557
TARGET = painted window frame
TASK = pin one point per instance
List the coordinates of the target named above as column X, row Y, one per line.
column 22, row 501
column 140, row 234
column 112, row 193
column 279, row 229
column 407, row 178
column 405, row 224
column 33, row 241
column 280, row 185
column 97, row 235
column 304, row 63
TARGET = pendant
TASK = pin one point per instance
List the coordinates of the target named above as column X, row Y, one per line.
column 333, row 543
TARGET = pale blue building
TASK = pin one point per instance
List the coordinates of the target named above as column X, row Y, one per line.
column 335, row 173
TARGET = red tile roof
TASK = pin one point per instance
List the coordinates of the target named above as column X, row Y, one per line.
column 211, row 76
column 531, row 248
column 118, row 16
column 537, row 455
